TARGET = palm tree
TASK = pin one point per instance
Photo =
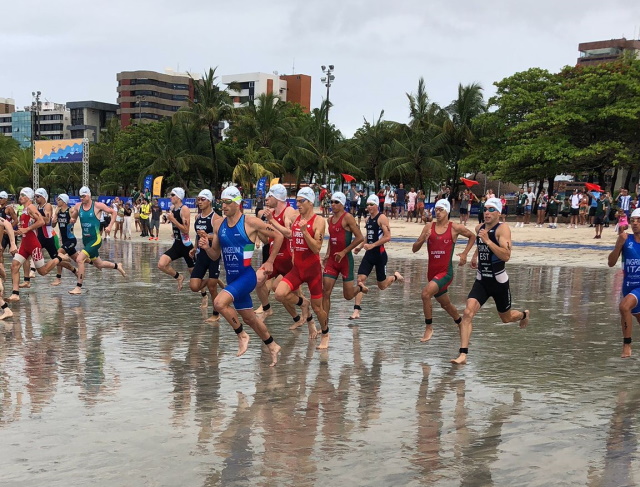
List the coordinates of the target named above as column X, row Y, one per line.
column 18, row 171
column 211, row 106
column 254, row 164
column 463, row 110
column 169, row 157
column 372, row 146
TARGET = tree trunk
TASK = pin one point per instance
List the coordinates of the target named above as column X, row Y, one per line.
column 613, row 179
column 214, row 159
column 627, row 180
column 551, row 184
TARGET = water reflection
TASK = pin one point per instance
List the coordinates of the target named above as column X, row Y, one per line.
column 136, row 366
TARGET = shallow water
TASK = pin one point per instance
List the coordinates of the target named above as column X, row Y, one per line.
column 126, row 385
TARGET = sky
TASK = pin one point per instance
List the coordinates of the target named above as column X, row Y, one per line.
column 71, row 51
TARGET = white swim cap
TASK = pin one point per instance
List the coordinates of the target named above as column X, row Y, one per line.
column 444, row 203
column 179, row 192
column 64, row 197
column 308, row 194
column 28, row 192
column 205, row 193
column 278, row 191
column 495, row 203
column 232, row 193
column 339, row 196
column 373, row 199
column 42, row 192
column 84, row 190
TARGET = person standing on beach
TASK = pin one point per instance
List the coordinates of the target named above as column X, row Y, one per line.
column 628, row 245
column 531, row 196
column 602, row 208
column 492, row 252
column 441, row 237
column 575, row 200
column 521, row 202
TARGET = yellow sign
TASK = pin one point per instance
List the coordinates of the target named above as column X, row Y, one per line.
column 274, row 181
column 157, row 186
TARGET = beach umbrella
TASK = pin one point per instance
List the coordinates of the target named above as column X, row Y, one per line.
column 469, row 183
column 593, row 187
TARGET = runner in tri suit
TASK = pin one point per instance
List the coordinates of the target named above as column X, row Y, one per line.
column 203, row 226
column 441, row 237
column 378, row 234
column 344, row 236
column 30, row 220
column 46, row 235
column 234, row 239
column 7, row 231
column 62, row 217
column 179, row 216
column 492, row 252
column 629, row 246
column 90, row 224
column 307, row 234
column 7, row 213
column 281, row 216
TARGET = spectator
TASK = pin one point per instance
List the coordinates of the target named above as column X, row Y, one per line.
column 505, row 210
column 543, row 199
column 118, row 206
column 552, row 208
column 401, row 198
column 156, row 211
column 259, row 202
column 145, row 213
column 421, row 198
column 528, row 208
column 126, row 222
column 353, row 199
column 624, row 201
column 412, row 197
column 575, row 200
column 465, row 206
column 521, row 202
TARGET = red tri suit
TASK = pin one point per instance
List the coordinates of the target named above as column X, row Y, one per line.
column 30, row 246
column 283, row 263
column 339, row 239
column 441, row 248
column 306, row 264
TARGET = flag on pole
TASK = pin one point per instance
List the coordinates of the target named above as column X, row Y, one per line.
column 593, row 187
column 348, row 177
column 469, row 182
column 157, row 186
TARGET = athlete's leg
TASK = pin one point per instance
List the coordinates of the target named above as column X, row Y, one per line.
column 382, row 285
column 81, row 259
column 290, row 299
column 357, row 305
column 428, row 292
column 323, row 318
column 466, row 326
column 164, row 264
column 626, row 306
column 16, row 264
column 223, row 305
column 327, row 287
column 251, row 319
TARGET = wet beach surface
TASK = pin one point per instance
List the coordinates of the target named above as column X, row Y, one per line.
column 126, row 385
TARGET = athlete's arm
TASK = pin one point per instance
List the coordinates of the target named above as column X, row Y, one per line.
column 383, row 221
column 265, row 230
column 73, row 214
column 8, row 229
column 212, row 248
column 617, row 250
column 185, row 214
column 465, row 232
column 289, row 216
column 424, row 235
column 11, row 213
column 48, row 213
column 107, row 209
column 353, row 227
column 54, row 218
column 319, row 227
column 503, row 234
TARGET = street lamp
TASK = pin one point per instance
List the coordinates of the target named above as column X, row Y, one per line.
column 327, row 79
column 140, row 98
column 35, row 108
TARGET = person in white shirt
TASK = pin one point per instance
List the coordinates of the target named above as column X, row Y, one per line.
column 531, row 196
column 575, row 199
column 624, row 201
column 412, row 196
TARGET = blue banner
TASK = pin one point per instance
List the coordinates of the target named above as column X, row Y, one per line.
column 261, row 186
column 148, row 181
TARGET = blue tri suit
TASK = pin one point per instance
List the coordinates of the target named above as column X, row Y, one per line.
column 631, row 267
column 237, row 251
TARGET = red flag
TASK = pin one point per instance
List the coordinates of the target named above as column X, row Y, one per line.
column 593, row 187
column 348, row 177
column 469, row 182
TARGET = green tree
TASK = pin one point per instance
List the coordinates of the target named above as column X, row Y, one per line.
column 253, row 164
column 372, row 146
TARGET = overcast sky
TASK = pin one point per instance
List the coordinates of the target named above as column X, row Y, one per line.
column 72, row 50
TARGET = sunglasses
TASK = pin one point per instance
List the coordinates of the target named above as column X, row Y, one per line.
column 490, row 209
column 226, row 202
column 371, row 204
column 336, row 202
column 202, row 199
column 172, row 195
column 301, row 201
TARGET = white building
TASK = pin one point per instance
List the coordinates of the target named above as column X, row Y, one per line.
column 252, row 85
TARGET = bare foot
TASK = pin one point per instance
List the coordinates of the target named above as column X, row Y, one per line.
column 204, row 302
column 355, row 315
column 428, row 333
column 13, row 298
column 297, row 324
column 57, row 282
column 305, row 309
column 324, row 342
column 25, row 285
column 259, row 310
column 243, row 343
column 398, row 276
column 32, row 274
column 267, row 313
column 120, row 269
column 313, row 332
column 525, row 321
column 64, row 257
column 213, row 319
column 180, row 281
column 76, row 290
column 626, row 350
column 274, row 350
column 364, row 288
column 6, row 314
column 461, row 360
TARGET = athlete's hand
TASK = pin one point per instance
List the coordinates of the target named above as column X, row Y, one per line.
column 19, row 231
column 474, row 263
column 268, row 214
column 192, row 253
column 367, row 246
column 463, row 259
column 267, row 268
column 340, row 255
column 13, row 250
column 203, row 242
column 201, row 233
column 107, row 230
column 622, row 230
column 484, row 235
column 357, row 250
column 303, row 224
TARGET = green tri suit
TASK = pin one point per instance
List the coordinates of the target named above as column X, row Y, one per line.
column 90, row 231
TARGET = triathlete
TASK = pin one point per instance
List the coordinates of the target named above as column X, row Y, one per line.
column 344, row 236
column 7, row 213
column 203, row 226
column 378, row 234
column 492, row 252
column 90, row 225
column 441, row 237
column 307, row 234
column 179, row 216
column 234, row 239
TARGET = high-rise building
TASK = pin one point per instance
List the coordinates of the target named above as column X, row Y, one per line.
column 89, row 118
column 292, row 88
column 49, row 122
column 7, row 105
column 606, row 51
column 149, row 96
